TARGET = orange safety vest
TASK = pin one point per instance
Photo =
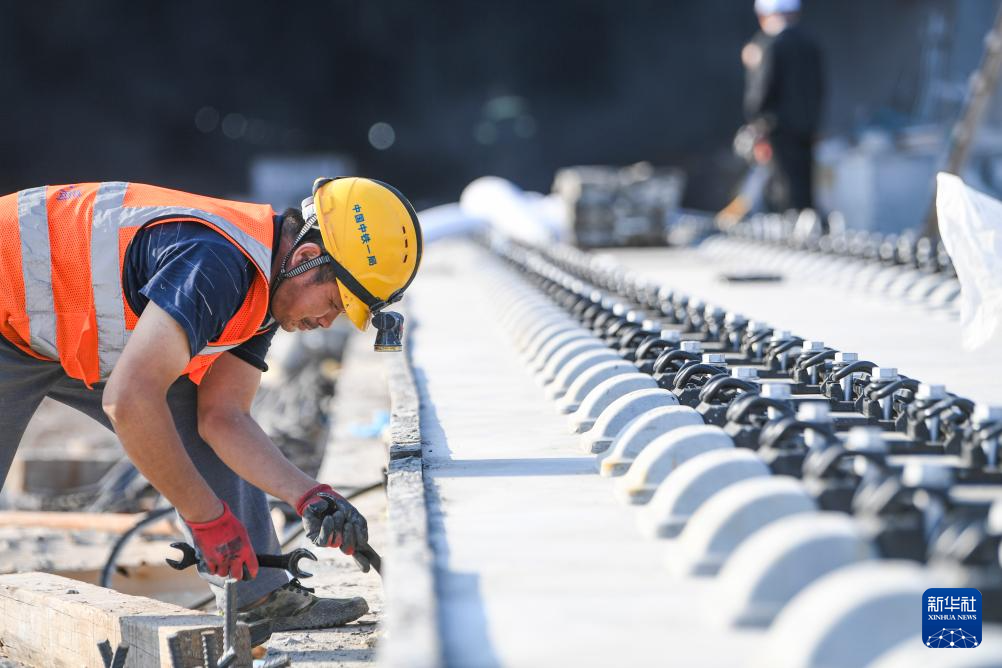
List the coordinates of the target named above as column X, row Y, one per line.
column 62, row 252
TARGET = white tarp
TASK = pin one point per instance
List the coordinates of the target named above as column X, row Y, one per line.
column 526, row 216
column 448, row 220
column 970, row 224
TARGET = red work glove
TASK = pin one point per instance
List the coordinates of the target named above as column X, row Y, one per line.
column 330, row 521
column 225, row 546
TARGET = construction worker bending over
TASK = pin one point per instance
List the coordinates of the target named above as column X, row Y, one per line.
column 151, row 311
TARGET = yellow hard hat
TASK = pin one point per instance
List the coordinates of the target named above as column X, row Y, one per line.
column 372, row 233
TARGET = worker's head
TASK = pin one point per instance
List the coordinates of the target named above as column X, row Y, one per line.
column 774, row 15
column 354, row 249
column 310, row 299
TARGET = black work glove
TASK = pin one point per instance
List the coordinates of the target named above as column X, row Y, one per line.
column 330, row 521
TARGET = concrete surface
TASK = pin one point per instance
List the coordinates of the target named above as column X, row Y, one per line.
column 536, row 563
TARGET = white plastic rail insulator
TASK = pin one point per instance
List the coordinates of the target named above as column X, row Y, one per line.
column 606, row 392
column 539, row 355
column 729, row 517
column 638, row 434
column 535, row 335
column 911, row 654
column 682, row 493
column 776, row 563
column 564, row 354
column 588, row 380
column 850, row 617
column 662, row 458
column 615, row 418
column 578, row 365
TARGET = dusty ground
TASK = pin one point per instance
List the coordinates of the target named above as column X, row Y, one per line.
column 355, row 458
column 337, row 576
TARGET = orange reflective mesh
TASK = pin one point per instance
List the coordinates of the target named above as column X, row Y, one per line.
column 13, row 317
column 125, row 236
column 70, row 214
column 70, row 210
column 199, row 366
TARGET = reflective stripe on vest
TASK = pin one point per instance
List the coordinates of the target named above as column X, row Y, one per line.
column 36, row 263
column 108, row 218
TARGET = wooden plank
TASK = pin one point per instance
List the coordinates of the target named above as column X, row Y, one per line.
column 110, row 522
column 47, row 620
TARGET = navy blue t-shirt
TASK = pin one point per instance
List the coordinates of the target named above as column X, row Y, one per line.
column 197, row 276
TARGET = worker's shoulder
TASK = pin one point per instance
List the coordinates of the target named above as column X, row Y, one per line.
column 184, row 233
column 188, row 239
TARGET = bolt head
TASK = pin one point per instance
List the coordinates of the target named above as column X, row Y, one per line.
column 927, row 475
column 744, row 373
column 757, row 326
column 732, row 319
column 715, row 312
column 776, row 391
column 846, row 357
column 986, row 414
column 634, row 316
column 884, row 373
column 714, row 358
column 781, row 335
column 865, row 439
column 813, row 346
column 813, row 411
column 651, row 325
column 665, row 293
column 671, row 335
column 691, row 346
column 619, row 309
column 931, row 391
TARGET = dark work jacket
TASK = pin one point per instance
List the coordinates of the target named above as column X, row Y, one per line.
column 785, row 93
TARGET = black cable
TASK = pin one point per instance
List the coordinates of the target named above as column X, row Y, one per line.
column 109, row 565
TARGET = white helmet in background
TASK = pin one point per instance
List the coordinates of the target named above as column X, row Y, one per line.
column 766, row 7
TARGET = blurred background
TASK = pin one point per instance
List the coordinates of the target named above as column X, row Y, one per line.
column 238, row 99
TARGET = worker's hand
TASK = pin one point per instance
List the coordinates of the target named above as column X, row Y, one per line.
column 762, row 152
column 330, row 521
column 225, row 546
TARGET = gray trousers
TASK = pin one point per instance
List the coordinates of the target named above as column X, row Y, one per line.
column 25, row 381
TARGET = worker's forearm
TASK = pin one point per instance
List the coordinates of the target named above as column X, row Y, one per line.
column 148, row 434
column 243, row 446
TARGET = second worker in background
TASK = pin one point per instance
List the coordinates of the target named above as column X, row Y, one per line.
column 784, row 96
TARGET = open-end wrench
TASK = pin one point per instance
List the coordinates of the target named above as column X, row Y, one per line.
column 374, row 559
column 288, row 562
